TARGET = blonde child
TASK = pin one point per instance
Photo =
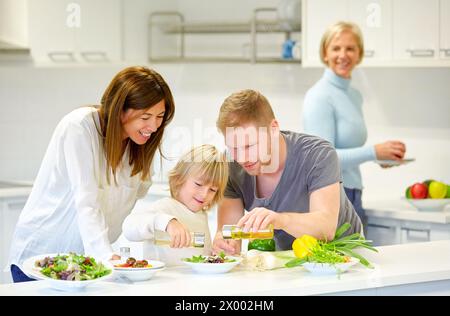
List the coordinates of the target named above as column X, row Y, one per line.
column 197, row 183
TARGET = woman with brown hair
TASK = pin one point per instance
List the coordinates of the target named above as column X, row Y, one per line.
column 96, row 166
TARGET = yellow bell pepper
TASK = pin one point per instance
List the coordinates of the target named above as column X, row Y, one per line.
column 302, row 246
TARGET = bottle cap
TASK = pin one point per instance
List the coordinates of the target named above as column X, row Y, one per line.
column 199, row 239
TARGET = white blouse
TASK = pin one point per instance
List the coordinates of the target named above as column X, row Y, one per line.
column 71, row 206
column 144, row 223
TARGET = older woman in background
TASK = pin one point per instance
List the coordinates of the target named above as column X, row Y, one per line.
column 333, row 109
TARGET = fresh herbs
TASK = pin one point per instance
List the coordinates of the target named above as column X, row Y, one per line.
column 339, row 250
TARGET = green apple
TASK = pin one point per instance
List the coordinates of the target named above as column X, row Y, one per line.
column 448, row 192
column 408, row 193
column 437, row 190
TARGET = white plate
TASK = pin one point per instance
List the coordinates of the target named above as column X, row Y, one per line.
column 32, row 271
column 429, row 205
column 139, row 274
column 212, row 268
column 326, row 268
column 392, row 163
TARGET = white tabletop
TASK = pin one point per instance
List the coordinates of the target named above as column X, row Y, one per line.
column 406, row 264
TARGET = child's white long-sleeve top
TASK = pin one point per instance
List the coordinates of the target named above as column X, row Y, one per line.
column 142, row 223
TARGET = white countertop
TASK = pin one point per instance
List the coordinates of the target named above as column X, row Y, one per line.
column 407, row 264
column 400, row 209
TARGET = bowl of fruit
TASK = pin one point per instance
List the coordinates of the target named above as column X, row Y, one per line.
column 429, row 195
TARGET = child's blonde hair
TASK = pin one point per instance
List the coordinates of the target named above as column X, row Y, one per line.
column 206, row 162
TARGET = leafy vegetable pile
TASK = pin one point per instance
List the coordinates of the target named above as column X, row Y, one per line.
column 72, row 267
column 339, row 250
column 221, row 258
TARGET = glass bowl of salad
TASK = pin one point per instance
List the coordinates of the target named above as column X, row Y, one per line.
column 212, row 264
column 67, row 272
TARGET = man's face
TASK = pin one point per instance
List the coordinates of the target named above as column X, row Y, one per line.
column 252, row 147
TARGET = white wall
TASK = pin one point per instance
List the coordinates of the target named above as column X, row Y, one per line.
column 400, row 103
column 13, row 22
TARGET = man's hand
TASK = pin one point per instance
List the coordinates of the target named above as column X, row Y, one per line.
column 229, row 246
column 260, row 218
column 179, row 235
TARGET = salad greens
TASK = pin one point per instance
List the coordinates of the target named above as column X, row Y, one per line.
column 339, row 250
column 220, row 258
column 72, row 267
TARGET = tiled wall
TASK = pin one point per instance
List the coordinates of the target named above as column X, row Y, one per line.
column 408, row 104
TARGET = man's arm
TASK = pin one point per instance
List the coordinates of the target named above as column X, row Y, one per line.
column 229, row 211
column 320, row 221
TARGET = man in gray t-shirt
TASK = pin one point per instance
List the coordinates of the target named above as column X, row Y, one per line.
column 286, row 179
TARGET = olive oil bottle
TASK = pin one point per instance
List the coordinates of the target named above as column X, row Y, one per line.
column 234, row 232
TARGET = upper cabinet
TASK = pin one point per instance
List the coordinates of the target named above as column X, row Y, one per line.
column 444, row 41
column 83, row 31
column 396, row 32
column 416, row 29
column 316, row 24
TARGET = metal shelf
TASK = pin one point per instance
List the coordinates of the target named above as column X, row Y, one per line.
column 252, row 27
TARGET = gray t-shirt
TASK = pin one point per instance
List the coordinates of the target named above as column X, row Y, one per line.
column 311, row 163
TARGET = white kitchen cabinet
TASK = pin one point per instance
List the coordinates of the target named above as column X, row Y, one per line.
column 318, row 15
column 82, row 31
column 389, row 231
column 444, row 19
column 396, row 32
column 374, row 17
column 10, row 208
column 415, row 29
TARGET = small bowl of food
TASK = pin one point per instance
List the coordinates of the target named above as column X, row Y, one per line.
column 212, row 264
column 137, row 270
column 330, row 268
column 67, row 272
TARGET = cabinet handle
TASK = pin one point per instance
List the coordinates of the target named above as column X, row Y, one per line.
column 446, row 51
column 380, row 226
column 369, row 53
column 94, row 56
column 408, row 230
column 61, row 56
column 421, row 52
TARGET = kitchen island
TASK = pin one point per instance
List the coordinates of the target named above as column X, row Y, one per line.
column 409, row 269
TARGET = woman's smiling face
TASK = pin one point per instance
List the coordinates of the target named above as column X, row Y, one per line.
column 138, row 125
column 342, row 54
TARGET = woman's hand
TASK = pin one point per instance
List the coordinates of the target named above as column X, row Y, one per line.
column 179, row 235
column 229, row 246
column 260, row 218
column 390, row 150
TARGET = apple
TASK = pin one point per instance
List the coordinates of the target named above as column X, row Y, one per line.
column 419, row 191
column 448, row 192
column 437, row 190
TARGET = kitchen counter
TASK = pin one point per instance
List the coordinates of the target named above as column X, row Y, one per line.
column 422, row 268
column 402, row 210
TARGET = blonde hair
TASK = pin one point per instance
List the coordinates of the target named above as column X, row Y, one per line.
column 133, row 88
column 336, row 29
column 206, row 162
column 246, row 106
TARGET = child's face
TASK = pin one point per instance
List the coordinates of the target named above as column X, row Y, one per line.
column 196, row 194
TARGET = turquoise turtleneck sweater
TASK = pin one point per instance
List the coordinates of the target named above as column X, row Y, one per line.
column 332, row 110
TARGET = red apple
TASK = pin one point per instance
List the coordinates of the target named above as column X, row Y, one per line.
column 419, row 191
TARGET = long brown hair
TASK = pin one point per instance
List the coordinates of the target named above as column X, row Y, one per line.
column 137, row 88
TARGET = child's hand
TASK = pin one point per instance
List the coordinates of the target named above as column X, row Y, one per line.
column 179, row 235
